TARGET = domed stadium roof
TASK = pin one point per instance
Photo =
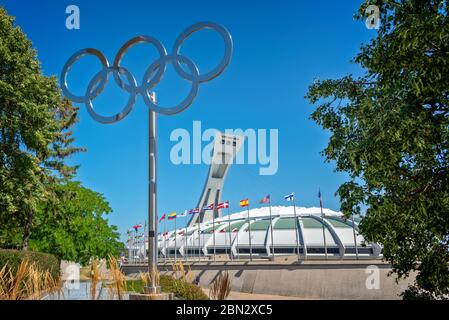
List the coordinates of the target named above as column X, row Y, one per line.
column 231, row 235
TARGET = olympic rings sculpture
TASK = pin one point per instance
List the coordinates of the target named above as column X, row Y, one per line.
column 152, row 76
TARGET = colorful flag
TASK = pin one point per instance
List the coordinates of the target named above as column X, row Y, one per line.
column 183, row 214
column 244, row 203
column 290, row 197
column 162, row 218
column 172, row 216
column 137, row 227
column 223, row 205
column 196, row 210
column 209, row 207
column 265, row 199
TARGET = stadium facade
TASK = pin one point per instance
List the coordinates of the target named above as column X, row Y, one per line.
column 232, row 236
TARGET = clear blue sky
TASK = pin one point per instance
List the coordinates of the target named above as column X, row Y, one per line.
column 279, row 48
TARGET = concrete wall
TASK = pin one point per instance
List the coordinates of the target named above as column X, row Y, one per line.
column 309, row 281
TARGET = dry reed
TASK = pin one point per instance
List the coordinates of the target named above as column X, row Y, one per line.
column 95, row 277
column 27, row 283
column 117, row 287
column 221, row 287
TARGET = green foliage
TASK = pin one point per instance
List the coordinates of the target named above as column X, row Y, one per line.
column 179, row 287
column 43, row 261
column 40, row 205
column 74, row 228
column 389, row 131
column 35, row 136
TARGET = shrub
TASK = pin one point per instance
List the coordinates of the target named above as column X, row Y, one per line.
column 182, row 289
column 43, row 261
column 179, row 287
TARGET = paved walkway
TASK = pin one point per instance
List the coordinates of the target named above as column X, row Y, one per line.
column 235, row 295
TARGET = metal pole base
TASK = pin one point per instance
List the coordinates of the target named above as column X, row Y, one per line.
column 152, row 290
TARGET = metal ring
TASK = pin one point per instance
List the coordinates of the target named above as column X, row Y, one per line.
column 149, row 82
column 131, row 43
column 153, row 74
column 128, row 107
column 224, row 61
column 68, row 65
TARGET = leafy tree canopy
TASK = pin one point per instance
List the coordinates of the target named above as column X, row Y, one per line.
column 389, row 131
column 75, row 228
column 38, row 199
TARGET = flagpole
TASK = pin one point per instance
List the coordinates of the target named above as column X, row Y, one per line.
column 129, row 246
column 296, row 228
column 165, row 239
column 322, row 218
column 139, row 241
column 185, row 237
column 271, row 228
column 355, row 238
column 226, row 242
column 199, row 235
column 213, row 230
column 144, row 243
column 143, row 240
column 230, row 234
column 176, row 245
column 137, row 245
column 238, row 253
column 249, row 236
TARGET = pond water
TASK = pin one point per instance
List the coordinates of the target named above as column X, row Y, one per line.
column 80, row 291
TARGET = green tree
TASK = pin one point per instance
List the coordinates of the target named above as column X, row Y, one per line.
column 389, row 131
column 40, row 206
column 35, row 136
column 74, row 227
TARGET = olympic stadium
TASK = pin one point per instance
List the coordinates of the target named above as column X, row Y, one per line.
column 315, row 253
column 331, row 236
column 241, row 235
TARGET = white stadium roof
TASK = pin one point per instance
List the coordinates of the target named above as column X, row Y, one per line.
column 231, row 235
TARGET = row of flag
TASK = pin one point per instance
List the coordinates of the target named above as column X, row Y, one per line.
column 224, row 205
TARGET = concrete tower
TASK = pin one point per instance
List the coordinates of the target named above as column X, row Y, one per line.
column 225, row 148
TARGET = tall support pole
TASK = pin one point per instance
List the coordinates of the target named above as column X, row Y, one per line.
column 230, row 233
column 152, row 210
column 249, row 237
column 271, row 228
column 296, row 229
column 324, row 233
column 355, row 238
